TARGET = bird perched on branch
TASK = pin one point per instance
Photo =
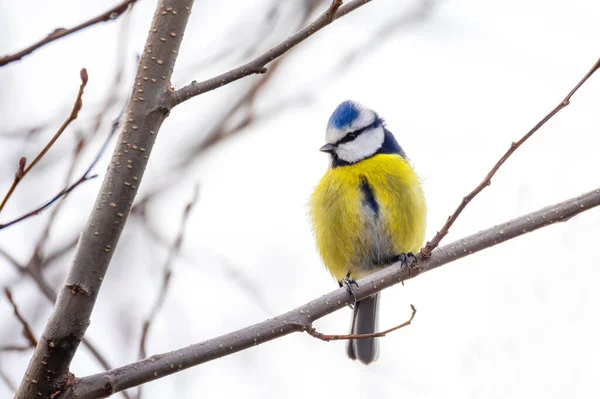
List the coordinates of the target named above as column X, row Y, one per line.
column 368, row 211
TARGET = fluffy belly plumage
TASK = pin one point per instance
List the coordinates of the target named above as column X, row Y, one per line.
column 364, row 214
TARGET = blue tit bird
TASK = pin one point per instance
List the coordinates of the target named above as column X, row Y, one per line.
column 367, row 211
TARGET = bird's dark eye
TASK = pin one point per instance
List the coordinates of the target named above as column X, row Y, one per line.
column 349, row 137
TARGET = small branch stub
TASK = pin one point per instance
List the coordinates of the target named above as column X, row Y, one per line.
column 326, row 337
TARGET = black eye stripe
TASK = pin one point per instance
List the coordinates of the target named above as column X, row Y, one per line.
column 353, row 135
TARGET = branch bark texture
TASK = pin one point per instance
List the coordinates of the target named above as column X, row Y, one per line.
column 301, row 319
column 48, row 370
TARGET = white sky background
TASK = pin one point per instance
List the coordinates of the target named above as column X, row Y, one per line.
column 518, row 320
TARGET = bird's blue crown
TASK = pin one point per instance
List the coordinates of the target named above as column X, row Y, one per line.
column 345, row 113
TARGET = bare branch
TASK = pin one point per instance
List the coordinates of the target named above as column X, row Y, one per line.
column 46, row 289
column 71, row 315
column 27, row 333
column 22, row 170
column 168, row 271
column 326, row 337
column 15, row 348
column 109, row 15
column 258, row 64
column 301, row 319
column 35, row 272
column 63, row 192
column 431, row 245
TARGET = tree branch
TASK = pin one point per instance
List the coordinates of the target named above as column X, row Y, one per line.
column 22, row 170
column 258, row 64
column 46, row 289
column 65, row 191
column 301, row 319
column 337, row 337
column 431, row 245
column 27, row 332
column 109, row 15
column 48, row 370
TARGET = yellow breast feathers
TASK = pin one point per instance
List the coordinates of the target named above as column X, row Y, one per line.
column 366, row 212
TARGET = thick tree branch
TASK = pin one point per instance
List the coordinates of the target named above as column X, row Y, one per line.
column 46, row 289
column 109, row 15
column 48, row 370
column 258, row 64
column 431, row 245
column 301, row 319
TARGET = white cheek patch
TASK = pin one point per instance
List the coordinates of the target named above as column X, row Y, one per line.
column 362, row 147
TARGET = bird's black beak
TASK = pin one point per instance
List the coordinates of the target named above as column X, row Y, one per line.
column 328, row 148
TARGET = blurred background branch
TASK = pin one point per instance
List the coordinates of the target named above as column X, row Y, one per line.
column 58, row 33
column 27, row 332
column 23, row 167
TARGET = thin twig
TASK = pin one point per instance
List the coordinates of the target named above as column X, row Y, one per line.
column 37, row 256
column 431, row 245
column 167, row 273
column 39, row 209
column 301, row 319
column 85, row 177
column 326, row 337
column 15, row 348
column 109, row 15
column 27, row 333
column 22, row 170
column 257, row 66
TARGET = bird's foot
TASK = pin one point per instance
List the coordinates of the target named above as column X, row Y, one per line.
column 349, row 283
column 408, row 260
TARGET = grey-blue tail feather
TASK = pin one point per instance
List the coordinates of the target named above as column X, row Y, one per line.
column 364, row 322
